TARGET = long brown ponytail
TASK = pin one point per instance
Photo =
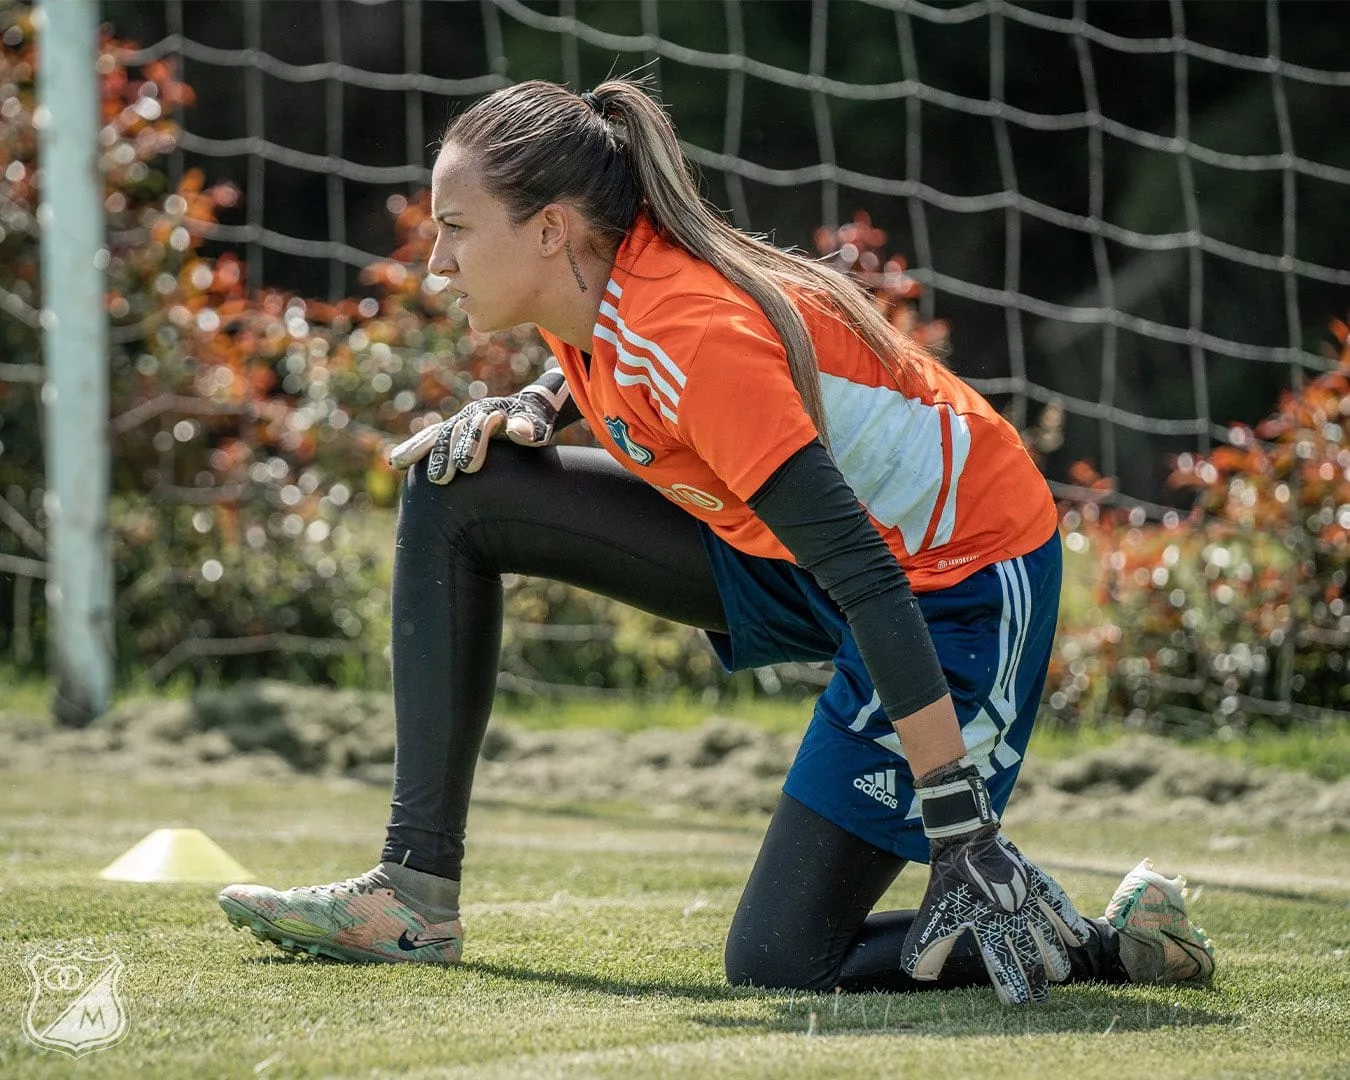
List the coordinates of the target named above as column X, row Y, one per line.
column 537, row 143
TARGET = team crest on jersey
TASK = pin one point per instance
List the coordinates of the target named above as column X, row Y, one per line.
column 618, row 431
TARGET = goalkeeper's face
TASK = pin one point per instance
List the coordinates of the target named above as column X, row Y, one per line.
column 493, row 263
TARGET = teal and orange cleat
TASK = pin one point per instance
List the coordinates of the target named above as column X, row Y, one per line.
column 1158, row 943
column 362, row 919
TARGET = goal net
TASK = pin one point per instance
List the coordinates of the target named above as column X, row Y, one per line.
column 1133, row 213
column 1130, row 216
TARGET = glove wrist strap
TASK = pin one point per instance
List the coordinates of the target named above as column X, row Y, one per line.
column 953, row 801
column 552, row 387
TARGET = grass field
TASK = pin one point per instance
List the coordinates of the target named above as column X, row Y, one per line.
column 594, row 950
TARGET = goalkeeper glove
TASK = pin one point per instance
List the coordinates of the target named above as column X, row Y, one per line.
column 460, row 443
column 1022, row 921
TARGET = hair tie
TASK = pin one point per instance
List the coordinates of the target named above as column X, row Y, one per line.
column 592, row 102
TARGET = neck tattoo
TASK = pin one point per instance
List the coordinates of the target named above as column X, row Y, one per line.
column 576, row 270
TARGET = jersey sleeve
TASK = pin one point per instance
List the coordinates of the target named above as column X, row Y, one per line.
column 739, row 409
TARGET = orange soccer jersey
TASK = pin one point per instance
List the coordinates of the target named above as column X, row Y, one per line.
column 688, row 386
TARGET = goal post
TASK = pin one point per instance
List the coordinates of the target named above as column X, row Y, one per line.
column 75, row 345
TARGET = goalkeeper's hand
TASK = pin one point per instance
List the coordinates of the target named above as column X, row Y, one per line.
column 460, row 443
column 1022, row 921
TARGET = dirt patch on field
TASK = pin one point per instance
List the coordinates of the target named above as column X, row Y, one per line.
column 276, row 730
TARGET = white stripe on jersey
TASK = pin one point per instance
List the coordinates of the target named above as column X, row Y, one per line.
column 637, row 341
column 624, row 378
column 889, row 448
column 960, row 431
column 653, row 379
column 656, row 371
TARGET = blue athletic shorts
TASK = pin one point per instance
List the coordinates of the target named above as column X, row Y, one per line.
column 993, row 632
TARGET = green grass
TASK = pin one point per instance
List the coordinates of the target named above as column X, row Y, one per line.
column 1322, row 751
column 629, row 715
column 23, row 692
column 594, row 950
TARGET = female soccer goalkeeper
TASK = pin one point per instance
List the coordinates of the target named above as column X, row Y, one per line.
column 781, row 468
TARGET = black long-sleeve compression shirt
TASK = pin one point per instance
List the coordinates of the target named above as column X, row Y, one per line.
column 810, row 508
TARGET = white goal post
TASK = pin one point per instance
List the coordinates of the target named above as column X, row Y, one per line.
column 75, row 333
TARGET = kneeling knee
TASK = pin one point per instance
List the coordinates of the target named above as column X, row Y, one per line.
column 773, row 964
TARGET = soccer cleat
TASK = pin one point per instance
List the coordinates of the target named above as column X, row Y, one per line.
column 361, row 919
column 1158, row 944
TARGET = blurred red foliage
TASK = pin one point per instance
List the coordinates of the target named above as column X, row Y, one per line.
column 248, row 424
column 858, row 249
column 1218, row 617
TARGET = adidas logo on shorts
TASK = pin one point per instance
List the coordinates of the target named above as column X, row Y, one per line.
column 880, row 785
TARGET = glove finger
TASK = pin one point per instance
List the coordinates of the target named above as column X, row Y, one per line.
column 471, row 452
column 1053, row 949
column 942, row 917
column 440, row 467
column 1023, row 943
column 1012, row 960
column 410, row 451
column 527, row 430
column 926, row 962
column 1069, row 925
column 464, row 435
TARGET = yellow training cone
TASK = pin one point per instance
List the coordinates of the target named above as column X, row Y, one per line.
column 176, row 855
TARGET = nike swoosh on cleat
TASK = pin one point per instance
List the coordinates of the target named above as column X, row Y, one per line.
column 408, row 944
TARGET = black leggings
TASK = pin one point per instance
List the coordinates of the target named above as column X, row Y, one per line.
column 573, row 514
